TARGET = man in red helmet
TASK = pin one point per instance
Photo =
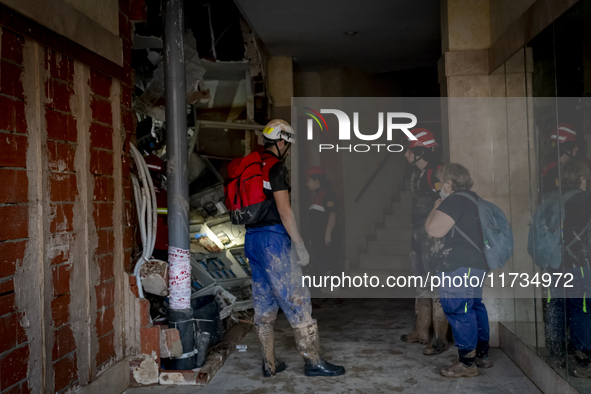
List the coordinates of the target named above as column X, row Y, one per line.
column 424, row 154
column 157, row 168
column 565, row 136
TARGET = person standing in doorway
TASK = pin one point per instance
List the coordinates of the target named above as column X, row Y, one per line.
column 423, row 155
column 324, row 238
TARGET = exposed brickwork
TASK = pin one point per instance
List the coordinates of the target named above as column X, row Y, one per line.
column 138, row 11
column 14, row 367
column 63, row 191
column 101, row 168
column 65, row 372
column 14, row 212
column 106, row 349
column 15, row 222
column 151, row 341
column 63, row 342
column 59, row 155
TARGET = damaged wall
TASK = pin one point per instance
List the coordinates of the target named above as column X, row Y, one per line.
column 67, row 218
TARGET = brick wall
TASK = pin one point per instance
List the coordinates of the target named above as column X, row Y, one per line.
column 68, row 199
column 14, row 213
column 61, row 146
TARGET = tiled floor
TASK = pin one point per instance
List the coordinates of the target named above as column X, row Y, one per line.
column 363, row 335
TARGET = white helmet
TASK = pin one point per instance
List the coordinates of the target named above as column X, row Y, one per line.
column 279, row 129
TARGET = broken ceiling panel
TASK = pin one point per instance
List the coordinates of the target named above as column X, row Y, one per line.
column 151, row 101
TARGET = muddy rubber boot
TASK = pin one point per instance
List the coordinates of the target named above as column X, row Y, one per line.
column 308, row 344
column 465, row 367
column 439, row 343
column 420, row 333
column 271, row 365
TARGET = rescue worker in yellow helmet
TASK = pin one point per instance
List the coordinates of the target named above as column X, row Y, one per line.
column 276, row 277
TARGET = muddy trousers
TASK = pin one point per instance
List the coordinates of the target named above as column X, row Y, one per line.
column 465, row 312
column 276, row 278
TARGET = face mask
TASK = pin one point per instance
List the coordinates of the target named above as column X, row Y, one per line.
column 442, row 193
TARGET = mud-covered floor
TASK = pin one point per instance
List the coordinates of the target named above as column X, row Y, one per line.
column 363, row 335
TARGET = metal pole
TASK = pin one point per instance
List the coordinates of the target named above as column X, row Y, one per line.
column 179, row 257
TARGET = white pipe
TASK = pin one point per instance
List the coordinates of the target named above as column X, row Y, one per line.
column 141, row 170
column 139, row 203
column 136, row 193
column 152, row 208
column 229, row 125
column 148, row 206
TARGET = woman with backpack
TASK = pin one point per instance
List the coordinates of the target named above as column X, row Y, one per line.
column 452, row 217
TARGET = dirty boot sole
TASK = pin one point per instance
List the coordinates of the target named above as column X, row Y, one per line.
column 321, row 372
column 323, row 368
column 581, row 372
column 412, row 338
column 279, row 367
column 438, row 346
column 459, row 370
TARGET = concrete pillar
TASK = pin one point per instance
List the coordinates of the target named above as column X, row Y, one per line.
column 280, row 74
column 465, row 25
column 486, row 130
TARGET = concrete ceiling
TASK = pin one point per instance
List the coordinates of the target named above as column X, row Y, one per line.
column 391, row 34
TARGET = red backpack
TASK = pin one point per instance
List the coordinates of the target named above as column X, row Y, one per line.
column 245, row 197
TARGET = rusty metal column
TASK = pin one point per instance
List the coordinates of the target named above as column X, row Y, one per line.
column 179, row 257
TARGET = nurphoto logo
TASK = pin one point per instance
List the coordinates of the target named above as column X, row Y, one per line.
column 345, row 130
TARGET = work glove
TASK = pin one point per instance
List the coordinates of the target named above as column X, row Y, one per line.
column 303, row 256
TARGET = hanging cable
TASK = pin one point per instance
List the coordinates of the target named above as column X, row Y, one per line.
column 145, row 197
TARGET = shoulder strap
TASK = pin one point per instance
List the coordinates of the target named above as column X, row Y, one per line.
column 467, row 238
column 471, row 198
column 466, row 195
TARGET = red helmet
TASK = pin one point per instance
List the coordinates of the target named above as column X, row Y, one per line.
column 563, row 133
column 155, row 163
column 424, row 139
column 314, row 170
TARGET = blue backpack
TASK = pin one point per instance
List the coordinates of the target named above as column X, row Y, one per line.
column 496, row 232
column 545, row 233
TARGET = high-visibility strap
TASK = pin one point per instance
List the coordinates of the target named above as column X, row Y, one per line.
column 582, row 273
column 162, row 211
column 567, row 130
column 548, row 295
column 585, row 302
column 466, row 306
